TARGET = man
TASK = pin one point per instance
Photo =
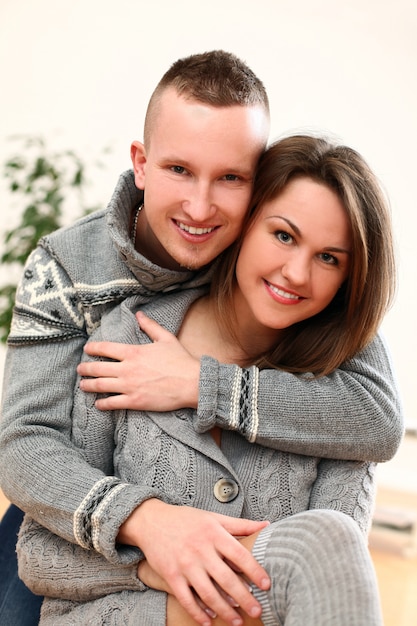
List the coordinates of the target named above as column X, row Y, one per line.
column 206, row 125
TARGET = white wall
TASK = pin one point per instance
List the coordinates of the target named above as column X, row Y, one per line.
column 80, row 72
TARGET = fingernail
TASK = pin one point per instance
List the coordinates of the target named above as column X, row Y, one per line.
column 211, row 613
column 255, row 611
column 232, row 602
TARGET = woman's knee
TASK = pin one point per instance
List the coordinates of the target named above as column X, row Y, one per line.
column 335, row 527
column 314, row 536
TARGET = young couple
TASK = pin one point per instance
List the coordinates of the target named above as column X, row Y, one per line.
column 107, row 489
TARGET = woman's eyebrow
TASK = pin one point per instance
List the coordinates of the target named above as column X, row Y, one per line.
column 298, row 232
column 289, row 222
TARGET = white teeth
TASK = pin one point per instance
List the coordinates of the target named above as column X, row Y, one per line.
column 195, row 231
column 283, row 294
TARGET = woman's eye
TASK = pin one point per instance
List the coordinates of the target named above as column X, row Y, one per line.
column 329, row 259
column 231, row 177
column 283, row 236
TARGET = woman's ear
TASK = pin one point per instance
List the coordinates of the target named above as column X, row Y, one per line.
column 138, row 156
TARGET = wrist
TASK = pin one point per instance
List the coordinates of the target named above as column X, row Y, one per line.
column 133, row 529
column 194, row 386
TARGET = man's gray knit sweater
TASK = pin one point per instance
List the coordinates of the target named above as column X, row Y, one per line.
column 79, row 273
column 75, row 276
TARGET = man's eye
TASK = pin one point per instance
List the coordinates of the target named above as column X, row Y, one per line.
column 178, row 169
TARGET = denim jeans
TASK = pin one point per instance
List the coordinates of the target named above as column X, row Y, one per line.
column 18, row 605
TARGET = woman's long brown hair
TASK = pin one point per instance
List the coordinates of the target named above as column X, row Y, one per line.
column 322, row 343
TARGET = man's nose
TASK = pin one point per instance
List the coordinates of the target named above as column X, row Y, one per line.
column 199, row 205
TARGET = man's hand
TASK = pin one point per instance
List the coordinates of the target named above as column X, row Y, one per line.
column 192, row 553
column 160, row 376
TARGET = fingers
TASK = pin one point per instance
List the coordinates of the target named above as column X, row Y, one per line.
column 241, row 560
column 205, row 599
column 177, row 615
column 220, row 587
column 113, row 403
column 226, row 592
column 242, row 527
column 148, row 575
column 193, row 605
column 247, row 531
column 152, row 328
column 209, row 611
column 96, row 369
column 193, row 554
column 107, row 349
column 229, row 576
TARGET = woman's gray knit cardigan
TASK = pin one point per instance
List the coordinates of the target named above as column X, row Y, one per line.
column 139, row 455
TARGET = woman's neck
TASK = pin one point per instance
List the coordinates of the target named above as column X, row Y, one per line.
column 201, row 333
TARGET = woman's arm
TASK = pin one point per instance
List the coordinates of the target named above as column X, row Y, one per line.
column 346, row 486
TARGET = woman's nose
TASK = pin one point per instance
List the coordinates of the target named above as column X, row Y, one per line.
column 296, row 269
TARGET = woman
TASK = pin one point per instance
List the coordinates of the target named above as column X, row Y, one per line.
column 304, row 289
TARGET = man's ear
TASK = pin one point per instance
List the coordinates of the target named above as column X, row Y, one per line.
column 138, row 156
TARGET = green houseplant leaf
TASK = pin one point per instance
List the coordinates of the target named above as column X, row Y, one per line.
column 39, row 181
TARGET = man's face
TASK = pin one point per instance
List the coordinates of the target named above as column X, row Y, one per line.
column 197, row 174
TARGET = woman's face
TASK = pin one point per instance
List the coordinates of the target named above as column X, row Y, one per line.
column 294, row 257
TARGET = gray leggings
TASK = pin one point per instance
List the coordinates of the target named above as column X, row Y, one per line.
column 321, row 572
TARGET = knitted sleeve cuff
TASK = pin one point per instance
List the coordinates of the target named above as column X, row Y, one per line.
column 98, row 518
column 227, row 398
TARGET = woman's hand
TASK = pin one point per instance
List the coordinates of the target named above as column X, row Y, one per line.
column 160, row 376
column 196, row 553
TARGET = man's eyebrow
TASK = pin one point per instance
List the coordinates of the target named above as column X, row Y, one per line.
column 174, row 159
column 223, row 169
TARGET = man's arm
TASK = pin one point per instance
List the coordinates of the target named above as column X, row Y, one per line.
column 42, row 471
column 44, row 557
column 189, row 549
column 354, row 413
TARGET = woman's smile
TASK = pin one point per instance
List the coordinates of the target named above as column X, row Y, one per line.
column 283, row 295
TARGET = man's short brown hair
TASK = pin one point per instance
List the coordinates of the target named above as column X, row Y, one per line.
column 216, row 78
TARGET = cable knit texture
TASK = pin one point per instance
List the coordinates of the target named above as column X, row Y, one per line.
column 53, row 457
column 162, row 455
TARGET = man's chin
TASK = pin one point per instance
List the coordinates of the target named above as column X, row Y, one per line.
column 192, row 263
column 191, row 266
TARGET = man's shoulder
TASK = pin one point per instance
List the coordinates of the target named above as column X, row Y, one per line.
column 88, row 228
column 86, row 252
